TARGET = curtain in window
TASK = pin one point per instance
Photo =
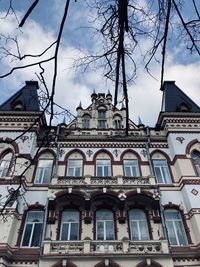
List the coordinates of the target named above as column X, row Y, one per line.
column 138, row 225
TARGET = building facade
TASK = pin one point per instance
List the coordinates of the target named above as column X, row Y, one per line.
column 88, row 195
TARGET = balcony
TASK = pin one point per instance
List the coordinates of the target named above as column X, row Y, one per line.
column 102, row 181
column 82, row 247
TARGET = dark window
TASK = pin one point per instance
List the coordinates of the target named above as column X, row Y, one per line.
column 86, row 122
column 4, row 164
column 101, row 119
column 196, row 160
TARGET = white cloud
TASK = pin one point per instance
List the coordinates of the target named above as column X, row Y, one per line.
column 73, row 87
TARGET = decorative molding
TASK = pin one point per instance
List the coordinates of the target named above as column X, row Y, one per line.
column 116, row 152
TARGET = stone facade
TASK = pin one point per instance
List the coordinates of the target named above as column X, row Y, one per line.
column 86, row 194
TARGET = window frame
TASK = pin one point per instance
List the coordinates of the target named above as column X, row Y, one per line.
column 40, row 178
column 6, row 164
column 163, row 170
column 105, row 222
column 32, row 229
column 103, row 166
column 74, row 167
column 69, row 225
column 131, row 167
column 101, row 119
column 175, row 228
column 139, row 222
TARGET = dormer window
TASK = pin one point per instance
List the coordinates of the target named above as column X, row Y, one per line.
column 183, row 107
column 86, row 121
column 18, row 106
column 117, row 122
column 101, row 119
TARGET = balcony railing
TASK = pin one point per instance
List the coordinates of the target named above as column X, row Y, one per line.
column 105, row 247
column 94, row 180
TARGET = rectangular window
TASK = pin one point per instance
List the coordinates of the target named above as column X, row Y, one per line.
column 175, row 228
column 103, row 167
column 101, row 119
column 74, row 167
column 70, row 225
column 104, row 225
column 161, row 171
column 44, row 171
column 131, row 168
column 33, row 229
column 138, row 225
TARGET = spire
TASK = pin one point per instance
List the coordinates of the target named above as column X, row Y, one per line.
column 79, row 106
column 140, row 124
column 123, row 106
column 64, row 121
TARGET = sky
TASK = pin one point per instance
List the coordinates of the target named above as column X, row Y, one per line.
column 75, row 85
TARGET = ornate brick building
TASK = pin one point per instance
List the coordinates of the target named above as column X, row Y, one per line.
column 85, row 194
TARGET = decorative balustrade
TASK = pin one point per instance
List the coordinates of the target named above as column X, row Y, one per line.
column 93, row 180
column 106, row 247
column 145, row 247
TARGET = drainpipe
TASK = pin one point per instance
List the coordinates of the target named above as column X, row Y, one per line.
column 152, row 172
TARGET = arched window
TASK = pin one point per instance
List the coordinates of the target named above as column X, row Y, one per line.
column 86, row 121
column 104, row 225
column 138, row 225
column 196, row 160
column 70, row 225
column 175, row 228
column 33, row 229
column 4, row 164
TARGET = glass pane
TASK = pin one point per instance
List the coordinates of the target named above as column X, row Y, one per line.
column 74, row 231
column 35, row 216
column 109, row 230
column 47, row 175
column 78, row 172
column 127, row 171
column 171, row 233
column 99, row 171
column 107, row 171
column 134, row 231
column 104, row 215
column 137, row 214
column 100, row 231
column 70, row 171
column 70, row 216
column 64, row 231
column 39, row 175
column 166, row 175
column 37, row 233
column 144, row 233
column 180, row 233
column 158, row 175
column 27, row 235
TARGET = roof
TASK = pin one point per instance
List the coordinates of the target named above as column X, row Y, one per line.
column 175, row 100
column 26, row 98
